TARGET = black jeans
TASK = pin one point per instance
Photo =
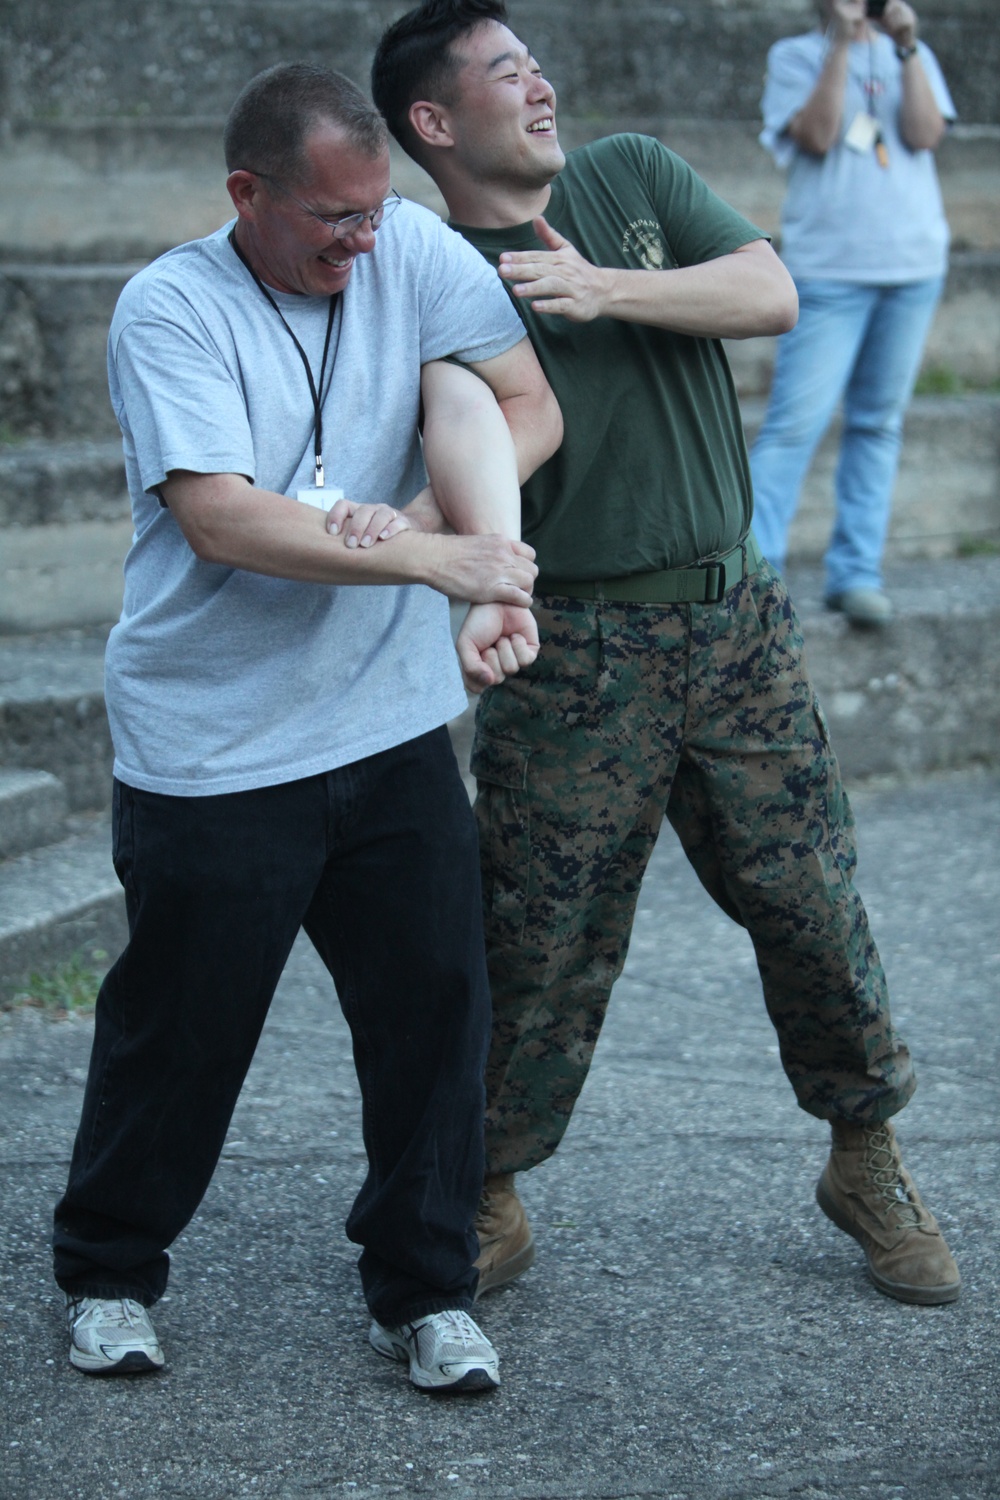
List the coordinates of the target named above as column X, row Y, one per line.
column 378, row 862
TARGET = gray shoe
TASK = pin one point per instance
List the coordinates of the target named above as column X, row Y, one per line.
column 862, row 606
column 445, row 1351
column 111, row 1336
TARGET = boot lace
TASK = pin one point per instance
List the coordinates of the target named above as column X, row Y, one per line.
column 883, row 1166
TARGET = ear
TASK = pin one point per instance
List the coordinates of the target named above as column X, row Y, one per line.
column 244, row 189
column 430, row 124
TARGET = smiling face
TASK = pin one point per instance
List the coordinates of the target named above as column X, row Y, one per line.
column 503, row 118
column 291, row 250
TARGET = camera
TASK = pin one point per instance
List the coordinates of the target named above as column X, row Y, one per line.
column 874, row 7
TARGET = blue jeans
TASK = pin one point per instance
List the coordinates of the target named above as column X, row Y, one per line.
column 863, row 344
column 379, row 862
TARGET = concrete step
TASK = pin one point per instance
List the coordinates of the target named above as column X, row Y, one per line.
column 947, row 497
column 922, row 694
column 58, row 903
column 936, row 671
column 53, row 362
column 61, row 576
column 64, row 482
column 32, row 810
column 963, row 345
column 59, row 572
column 128, row 189
column 56, row 317
column 52, row 714
column 65, row 526
column 699, row 58
column 728, row 154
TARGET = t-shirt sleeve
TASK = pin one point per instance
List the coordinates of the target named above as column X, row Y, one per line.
column 942, row 96
column 790, row 79
column 699, row 225
column 466, row 312
column 179, row 402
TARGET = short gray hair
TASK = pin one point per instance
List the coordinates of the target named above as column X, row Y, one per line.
column 274, row 113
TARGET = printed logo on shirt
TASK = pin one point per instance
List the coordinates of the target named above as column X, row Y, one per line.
column 644, row 239
column 874, row 88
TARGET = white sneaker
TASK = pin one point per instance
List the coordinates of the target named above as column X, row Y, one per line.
column 446, row 1351
column 111, row 1336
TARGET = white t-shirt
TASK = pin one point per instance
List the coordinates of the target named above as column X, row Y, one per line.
column 845, row 217
column 220, row 680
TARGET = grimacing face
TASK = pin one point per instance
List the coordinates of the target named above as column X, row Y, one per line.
column 290, row 249
column 504, row 116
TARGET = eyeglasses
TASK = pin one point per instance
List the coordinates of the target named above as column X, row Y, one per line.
column 347, row 224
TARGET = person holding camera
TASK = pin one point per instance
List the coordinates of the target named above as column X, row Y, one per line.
column 854, row 110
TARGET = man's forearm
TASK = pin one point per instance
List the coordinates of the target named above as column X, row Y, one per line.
column 228, row 521
column 817, row 125
column 921, row 123
column 744, row 295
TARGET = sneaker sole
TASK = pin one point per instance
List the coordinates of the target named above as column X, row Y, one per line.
column 134, row 1363
column 922, row 1296
column 476, row 1379
column 507, row 1270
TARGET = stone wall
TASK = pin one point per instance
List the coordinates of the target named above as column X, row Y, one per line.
column 608, row 59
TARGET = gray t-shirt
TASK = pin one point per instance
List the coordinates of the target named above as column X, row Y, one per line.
column 845, row 217
column 220, row 680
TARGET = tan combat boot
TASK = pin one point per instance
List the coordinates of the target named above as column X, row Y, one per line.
column 506, row 1244
column 868, row 1193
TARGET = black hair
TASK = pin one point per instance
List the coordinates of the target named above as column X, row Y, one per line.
column 273, row 114
column 414, row 60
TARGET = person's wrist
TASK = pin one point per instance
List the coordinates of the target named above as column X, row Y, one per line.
column 906, row 50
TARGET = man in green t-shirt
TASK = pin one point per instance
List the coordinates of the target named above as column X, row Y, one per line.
column 670, row 677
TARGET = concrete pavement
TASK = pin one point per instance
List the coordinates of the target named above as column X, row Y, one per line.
column 693, row 1328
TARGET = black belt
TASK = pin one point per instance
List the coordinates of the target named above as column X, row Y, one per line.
column 704, row 584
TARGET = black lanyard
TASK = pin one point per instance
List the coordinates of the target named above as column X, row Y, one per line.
column 318, row 395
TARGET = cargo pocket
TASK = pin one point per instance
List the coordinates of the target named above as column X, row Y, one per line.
column 501, row 770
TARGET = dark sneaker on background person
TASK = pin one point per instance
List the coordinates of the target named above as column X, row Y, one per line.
column 869, row 1194
column 112, row 1336
column 446, row 1351
column 506, row 1243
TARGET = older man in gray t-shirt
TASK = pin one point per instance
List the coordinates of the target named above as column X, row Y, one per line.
column 278, row 700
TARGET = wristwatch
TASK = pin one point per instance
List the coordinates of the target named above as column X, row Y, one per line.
column 903, row 53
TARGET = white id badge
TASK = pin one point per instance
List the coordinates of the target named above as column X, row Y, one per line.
column 862, row 132
column 323, row 499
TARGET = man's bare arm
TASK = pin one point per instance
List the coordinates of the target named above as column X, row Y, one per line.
column 739, row 296
column 526, row 400
column 535, row 424
column 227, row 520
column 817, row 125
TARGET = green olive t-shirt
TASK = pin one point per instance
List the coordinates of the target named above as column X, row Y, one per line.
column 653, row 470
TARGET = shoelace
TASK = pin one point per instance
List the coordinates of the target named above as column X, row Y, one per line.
column 123, row 1317
column 461, row 1328
column 485, row 1210
column 883, row 1165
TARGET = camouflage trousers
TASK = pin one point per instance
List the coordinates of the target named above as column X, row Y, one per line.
column 703, row 712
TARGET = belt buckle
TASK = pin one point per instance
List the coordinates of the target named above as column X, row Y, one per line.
column 715, row 583
column 716, row 574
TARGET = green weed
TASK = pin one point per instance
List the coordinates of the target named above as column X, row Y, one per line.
column 70, row 988
column 978, row 546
